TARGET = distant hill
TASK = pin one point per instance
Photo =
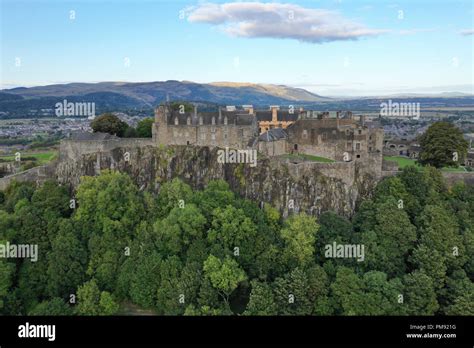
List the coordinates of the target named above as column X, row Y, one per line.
column 140, row 98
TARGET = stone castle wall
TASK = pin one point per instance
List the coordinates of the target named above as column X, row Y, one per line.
column 74, row 149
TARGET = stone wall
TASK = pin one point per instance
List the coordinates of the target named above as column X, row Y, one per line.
column 451, row 178
column 37, row 174
column 273, row 148
column 74, row 149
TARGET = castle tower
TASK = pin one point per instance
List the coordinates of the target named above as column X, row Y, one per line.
column 160, row 126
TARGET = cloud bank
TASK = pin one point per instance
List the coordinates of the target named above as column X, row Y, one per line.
column 278, row 20
column 467, row 32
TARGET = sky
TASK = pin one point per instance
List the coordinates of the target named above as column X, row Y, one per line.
column 333, row 47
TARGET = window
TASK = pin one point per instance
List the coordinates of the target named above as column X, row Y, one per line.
column 358, row 146
column 213, row 136
column 360, row 132
column 305, row 133
column 176, row 121
column 188, row 121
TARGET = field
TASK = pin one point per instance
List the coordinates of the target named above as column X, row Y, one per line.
column 404, row 162
column 39, row 158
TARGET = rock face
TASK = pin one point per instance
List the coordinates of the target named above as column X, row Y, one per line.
column 309, row 187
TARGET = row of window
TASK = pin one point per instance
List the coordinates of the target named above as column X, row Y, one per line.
column 201, row 121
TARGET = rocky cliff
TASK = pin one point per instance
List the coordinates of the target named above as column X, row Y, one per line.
column 308, row 187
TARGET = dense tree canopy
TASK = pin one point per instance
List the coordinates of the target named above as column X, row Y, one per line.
column 118, row 249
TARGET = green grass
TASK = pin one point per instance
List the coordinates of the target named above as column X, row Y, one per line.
column 404, row 162
column 39, row 157
column 309, row 158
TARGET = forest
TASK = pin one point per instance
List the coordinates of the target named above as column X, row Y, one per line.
column 110, row 247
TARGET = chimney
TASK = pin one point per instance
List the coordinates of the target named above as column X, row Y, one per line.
column 195, row 111
column 220, row 112
column 274, row 109
column 362, row 120
column 248, row 108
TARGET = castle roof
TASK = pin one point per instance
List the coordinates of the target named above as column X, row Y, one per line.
column 273, row 134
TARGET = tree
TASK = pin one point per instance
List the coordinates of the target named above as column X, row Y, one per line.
column 439, row 231
column 432, row 263
column 66, row 262
column 144, row 128
column 224, row 276
column 88, row 298
column 442, row 145
column 109, row 123
column 333, row 228
column 389, row 244
column 291, row 293
column 7, row 271
column 107, row 304
column 173, row 194
column 230, row 229
column 261, row 300
column 299, row 236
column 179, row 229
column 216, row 194
column 110, row 209
column 419, row 294
column 90, row 301
column 55, row 306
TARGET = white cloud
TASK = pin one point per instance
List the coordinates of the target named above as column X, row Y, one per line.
column 278, row 20
column 467, row 32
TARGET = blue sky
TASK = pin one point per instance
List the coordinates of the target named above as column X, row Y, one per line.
column 329, row 47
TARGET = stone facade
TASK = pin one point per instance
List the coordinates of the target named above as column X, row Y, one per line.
column 342, row 138
column 234, row 129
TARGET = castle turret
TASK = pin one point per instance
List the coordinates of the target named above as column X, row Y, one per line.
column 160, row 126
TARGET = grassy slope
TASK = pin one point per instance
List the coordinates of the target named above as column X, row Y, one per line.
column 41, row 157
column 404, row 162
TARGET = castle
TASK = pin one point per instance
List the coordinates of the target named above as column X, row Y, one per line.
column 342, row 138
